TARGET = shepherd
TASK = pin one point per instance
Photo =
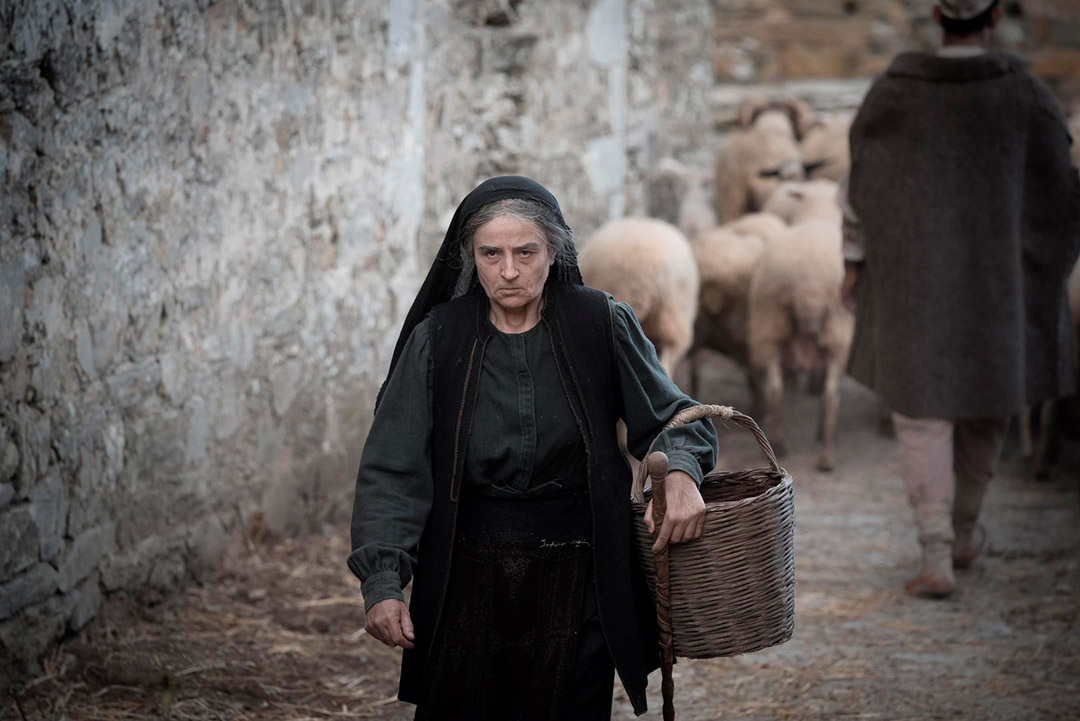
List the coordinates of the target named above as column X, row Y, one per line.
column 961, row 223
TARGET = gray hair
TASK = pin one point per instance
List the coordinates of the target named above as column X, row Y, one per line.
column 560, row 239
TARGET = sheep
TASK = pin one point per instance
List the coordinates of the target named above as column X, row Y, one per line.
column 756, row 159
column 647, row 263
column 696, row 212
column 764, row 226
column 817, row 199
column 825, row 150
column 726, row 257
column 797, row 318
column 725, row 260
column 795, row 202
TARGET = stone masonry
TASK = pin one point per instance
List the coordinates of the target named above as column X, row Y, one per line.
column 214, row 215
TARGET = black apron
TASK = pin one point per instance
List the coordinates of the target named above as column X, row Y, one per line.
column 508, row 645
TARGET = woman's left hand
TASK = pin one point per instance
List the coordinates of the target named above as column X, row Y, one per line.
column 685, row 516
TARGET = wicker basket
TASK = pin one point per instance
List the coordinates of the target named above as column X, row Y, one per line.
column 733, row 589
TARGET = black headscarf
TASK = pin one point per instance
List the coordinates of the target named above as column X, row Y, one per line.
column 442, row 278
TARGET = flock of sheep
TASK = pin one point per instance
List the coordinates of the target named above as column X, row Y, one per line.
column 754, row 268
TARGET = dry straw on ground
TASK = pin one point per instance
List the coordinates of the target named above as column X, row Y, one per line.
column 277, row 633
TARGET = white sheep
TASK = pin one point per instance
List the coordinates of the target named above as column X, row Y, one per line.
column 825, row 150
column 817, row 200
column 696, row 213
column 764, row 226
column 797, row 319
column 725, row 261
column 725, row 258
column 753, row 161
column 647, row 263
column 795, row 202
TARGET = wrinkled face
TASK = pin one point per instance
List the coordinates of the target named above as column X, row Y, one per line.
column 512, row 261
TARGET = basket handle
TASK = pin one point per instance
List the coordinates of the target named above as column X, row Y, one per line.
column 696, row 413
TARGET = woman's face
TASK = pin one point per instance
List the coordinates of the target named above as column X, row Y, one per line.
column 512, row 261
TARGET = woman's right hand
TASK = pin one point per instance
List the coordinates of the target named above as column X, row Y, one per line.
column 389, row 621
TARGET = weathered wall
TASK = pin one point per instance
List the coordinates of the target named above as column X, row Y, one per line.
column 214, row 215
column 777, row 41
column 198, row 252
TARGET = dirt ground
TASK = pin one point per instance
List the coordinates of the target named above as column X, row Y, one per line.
column 277, row 632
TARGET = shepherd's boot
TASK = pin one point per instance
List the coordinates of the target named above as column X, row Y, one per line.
column 970, row 542
column 935, row 579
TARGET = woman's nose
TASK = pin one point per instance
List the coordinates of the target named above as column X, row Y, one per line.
column 509, row 269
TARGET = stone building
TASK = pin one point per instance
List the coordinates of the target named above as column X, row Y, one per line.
column 214, row 215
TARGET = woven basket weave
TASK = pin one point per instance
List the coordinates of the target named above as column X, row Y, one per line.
column 733, row 589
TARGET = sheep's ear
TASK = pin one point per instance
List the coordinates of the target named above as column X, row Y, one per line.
column 801, row 114
column 750, row 108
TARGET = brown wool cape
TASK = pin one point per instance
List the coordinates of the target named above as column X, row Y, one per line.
column 970, row 209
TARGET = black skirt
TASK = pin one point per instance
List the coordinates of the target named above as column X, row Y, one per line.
column 509, row 646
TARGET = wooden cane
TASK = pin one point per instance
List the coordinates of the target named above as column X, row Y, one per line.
column 658, row 465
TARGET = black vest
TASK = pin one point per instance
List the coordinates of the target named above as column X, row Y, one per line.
column 581, row 328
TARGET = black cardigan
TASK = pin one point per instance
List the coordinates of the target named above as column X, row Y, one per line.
column 581, row 328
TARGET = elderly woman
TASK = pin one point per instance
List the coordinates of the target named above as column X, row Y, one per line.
column 492, row 477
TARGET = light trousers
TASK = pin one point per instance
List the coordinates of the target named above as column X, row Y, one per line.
column 947, row 466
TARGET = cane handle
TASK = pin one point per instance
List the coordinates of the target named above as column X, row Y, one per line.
column 658, row 465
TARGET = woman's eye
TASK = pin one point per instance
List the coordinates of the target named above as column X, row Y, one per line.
column 526, row 253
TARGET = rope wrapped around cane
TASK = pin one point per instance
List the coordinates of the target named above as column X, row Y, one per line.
column 658, row 466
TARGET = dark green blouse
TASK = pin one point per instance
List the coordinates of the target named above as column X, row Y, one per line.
column 524, row 440
column 528, row 441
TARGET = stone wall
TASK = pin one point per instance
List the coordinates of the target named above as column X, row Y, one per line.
column 214, row 214
column 776, row 41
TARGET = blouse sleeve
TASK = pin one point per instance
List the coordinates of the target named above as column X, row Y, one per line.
column 394, row 483
column 650, row 398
